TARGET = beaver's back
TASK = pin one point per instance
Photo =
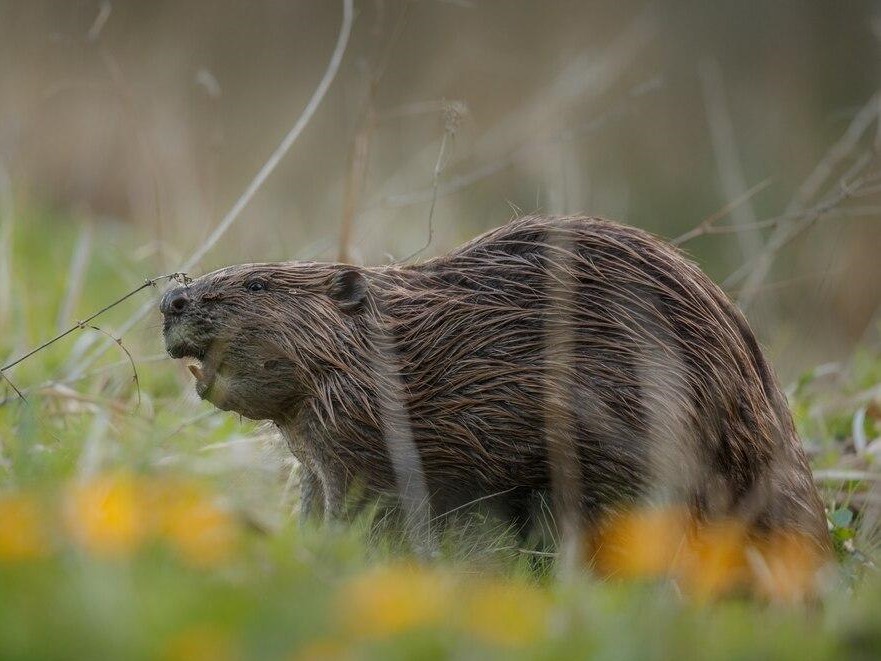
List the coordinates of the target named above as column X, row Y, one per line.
column 604, row 341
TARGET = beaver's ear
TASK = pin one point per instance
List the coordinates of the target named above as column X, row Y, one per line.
column 348, row 288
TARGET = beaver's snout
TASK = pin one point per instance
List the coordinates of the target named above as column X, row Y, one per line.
column 174, row 301
column 186, row 334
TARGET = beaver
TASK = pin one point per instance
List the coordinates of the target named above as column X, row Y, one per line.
column 570, row 356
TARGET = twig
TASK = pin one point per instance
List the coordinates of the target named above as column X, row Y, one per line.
column 726, row 154
column 100, row 21
column 82, row 324
column 290, row 138
column 821, row 212
column 257, row 182
column 51, row 383
column 586, row 76
column 495, row 494
column 118, row 340
column 454, row 184
column 13, row 386
column 359, row 152
column 435, row 180
column 452, row 116
column 757, row 269
column 843, row 475
column 707, row 226
column 836, row 154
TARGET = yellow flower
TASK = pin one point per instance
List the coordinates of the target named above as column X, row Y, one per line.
column 104, row 515
column 199, row 643
column 507, row 613
column 641, row 543
column 709, row 559
column 204, row 534
column 715, row 563
column 390, row 600
column 22, row 535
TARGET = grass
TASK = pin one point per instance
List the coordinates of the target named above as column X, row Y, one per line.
column 163, row 530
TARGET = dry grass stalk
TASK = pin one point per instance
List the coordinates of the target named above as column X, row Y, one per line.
column 256, row 183
column 727, row 157
column 755, row 271
column 80, row 325
column 359, row 152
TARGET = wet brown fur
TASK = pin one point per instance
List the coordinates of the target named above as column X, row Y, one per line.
column 547, row 340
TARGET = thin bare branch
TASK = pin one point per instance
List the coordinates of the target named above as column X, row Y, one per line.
column 18, row 392
column 757, row 269
column 82, row 324
column 359, row 152
column 131, row 360
column 256, row 183
column 727, row 156
column 586, row 77
column 844, row 475
column 284, row 146
column 836, row 154
column 7, row 219
column 708, row 225
column 820, row 212
column 53, row 383
column 451, row 124
column 456, row 183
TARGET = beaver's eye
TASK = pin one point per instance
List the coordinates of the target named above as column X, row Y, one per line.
column 255, row 285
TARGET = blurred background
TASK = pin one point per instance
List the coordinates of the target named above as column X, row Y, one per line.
column 148, row 524
column 155, row 116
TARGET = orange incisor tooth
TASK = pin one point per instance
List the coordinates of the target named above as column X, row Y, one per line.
column 196, row 371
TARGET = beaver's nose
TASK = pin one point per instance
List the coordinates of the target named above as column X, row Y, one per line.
column 174, row 301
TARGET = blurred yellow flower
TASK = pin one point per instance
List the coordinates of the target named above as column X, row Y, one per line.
column 389, row 600
column 715, row 561
column 641, row 543
column 507, row 613
column 200, row 643
column 22, row 532
column 204, row 534
column 115, row 513
column 104, row 515
column 707, row 559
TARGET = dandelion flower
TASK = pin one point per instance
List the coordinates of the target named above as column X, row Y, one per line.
column 390, row 600
column 22, row 535
column 104, row 515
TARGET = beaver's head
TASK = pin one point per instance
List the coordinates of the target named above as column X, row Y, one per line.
column 257, row 335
